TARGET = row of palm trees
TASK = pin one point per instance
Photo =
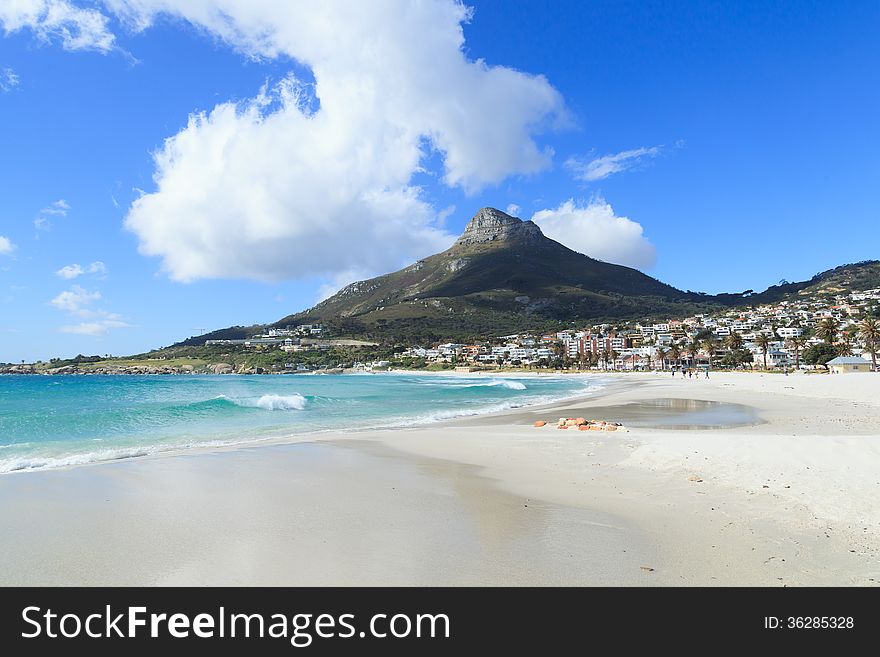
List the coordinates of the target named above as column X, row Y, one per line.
column 691, row 349
column 868, row 332
column 708, row 346
column 828, row 330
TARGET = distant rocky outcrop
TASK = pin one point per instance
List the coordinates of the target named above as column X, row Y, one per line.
column 17, row 369
column 106, row 369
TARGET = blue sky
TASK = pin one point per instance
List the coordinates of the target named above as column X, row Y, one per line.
column 716, row 147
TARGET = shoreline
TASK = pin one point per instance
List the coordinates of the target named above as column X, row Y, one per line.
column 318, row 435
column 789, row 501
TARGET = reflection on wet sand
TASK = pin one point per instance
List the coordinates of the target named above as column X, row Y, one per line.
column 680, row 414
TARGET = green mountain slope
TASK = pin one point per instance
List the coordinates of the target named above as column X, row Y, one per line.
column 854, row 277
column 503, row 276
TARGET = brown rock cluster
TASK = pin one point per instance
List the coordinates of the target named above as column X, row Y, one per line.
column 582, row 424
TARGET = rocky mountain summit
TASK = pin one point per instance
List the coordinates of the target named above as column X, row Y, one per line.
column 491, row 225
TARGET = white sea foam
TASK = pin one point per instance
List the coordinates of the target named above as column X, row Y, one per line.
column 50, row 462
column 82, row 458
column 294, row 402
column 510, row 385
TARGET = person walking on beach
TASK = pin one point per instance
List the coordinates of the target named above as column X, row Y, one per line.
column 707, row 372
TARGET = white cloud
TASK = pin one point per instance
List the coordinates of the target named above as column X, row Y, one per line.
column 75, row 300
column 8, row 79
column 99, row 327
column 444, row 214
column 513, row 210
column 75, row 270
column 70, row 271
column 57, row 208
column 76, row 28
column 97, row 267
column 6, row 245
column 595, row 230
column 317, row 179
column 84, row 328
column 607, row 165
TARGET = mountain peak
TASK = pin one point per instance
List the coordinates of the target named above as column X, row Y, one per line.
column 491, row 225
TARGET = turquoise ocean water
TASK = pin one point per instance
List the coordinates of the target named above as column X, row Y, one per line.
column 54, row 421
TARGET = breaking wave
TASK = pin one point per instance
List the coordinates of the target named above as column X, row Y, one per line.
column 294, row 402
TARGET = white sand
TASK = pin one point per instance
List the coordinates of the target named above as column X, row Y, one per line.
column 803, row 486
column 490, row 500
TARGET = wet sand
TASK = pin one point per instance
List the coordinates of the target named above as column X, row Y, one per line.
column 346, row 513
column 664, row 413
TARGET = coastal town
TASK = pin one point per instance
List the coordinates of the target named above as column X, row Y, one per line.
column 811, row 333
column 836, row 333
column 840, row 334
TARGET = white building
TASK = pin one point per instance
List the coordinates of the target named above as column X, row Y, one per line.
column 790, row 332
column 450, row 349
column 776, row 356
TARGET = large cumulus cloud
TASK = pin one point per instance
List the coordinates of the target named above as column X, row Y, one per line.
column 307, row 179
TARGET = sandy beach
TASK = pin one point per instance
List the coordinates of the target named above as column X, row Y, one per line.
column 741, row 479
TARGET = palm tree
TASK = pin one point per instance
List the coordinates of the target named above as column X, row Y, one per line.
column 603, row 356
column 674, row 352
column 796, row 343
column 844, row 348
column 566, row 359
column 869, row 332
column 828, row 330
column 662, row 352
column 612, row 356
column 734, row 341
column 763, row 341
column 710, row 346
column 693, row 349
